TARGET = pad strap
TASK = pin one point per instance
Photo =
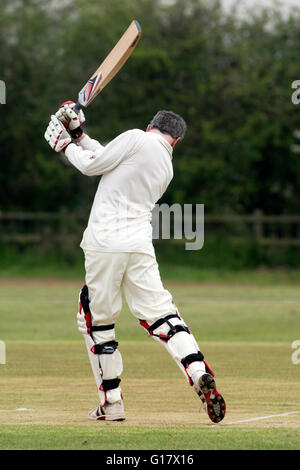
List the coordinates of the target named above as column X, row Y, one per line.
column 109, row 384
column 186, row 361
column 160, row 322
column 105, row 348
column 102, row 327
column 173, row 329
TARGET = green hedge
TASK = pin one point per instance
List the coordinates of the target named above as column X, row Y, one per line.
column 174, row 260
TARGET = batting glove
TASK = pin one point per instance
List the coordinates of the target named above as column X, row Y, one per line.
column 81, row 324
column 56, row 135
column 70, row 119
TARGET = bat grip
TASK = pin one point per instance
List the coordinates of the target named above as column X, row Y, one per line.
column 77, row 107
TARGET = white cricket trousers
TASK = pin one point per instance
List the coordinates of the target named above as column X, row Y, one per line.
column 138, row 275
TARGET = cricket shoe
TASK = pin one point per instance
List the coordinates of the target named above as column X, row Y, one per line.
column 108, row 412
column 211, row 399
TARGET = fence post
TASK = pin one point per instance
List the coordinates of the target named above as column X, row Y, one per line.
column 2, row 353
column 257, row 224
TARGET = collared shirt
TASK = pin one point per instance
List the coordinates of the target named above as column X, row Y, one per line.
column 136, row 169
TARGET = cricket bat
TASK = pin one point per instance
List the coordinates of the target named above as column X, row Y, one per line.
column 110, row 66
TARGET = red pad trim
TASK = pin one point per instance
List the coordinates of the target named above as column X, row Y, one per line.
column 178, row 315
column 105, row 399
column 164, row 338
column 209, row 368
column 189, row 378
column 145, row 325
column 88, row 319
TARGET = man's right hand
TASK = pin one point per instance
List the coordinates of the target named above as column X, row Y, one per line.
column 70, row 119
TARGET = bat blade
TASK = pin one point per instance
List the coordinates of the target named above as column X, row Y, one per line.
column 110, row 66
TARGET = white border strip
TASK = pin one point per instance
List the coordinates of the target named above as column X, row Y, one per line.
column 25, row 409
column 249, row 420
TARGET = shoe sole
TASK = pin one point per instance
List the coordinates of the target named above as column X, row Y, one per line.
column 216, row 407
column 104, row 418
column 96, row 417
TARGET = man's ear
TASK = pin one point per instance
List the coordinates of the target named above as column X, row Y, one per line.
column 148, row 128
column 175, row 141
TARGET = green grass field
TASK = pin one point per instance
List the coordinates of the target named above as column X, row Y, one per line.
column 245, row 329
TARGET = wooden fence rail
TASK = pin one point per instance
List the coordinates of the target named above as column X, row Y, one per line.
column 66, row 227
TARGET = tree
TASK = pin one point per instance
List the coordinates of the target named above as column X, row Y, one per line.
column 230, row 78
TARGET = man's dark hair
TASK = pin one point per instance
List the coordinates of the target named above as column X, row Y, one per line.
column 170, row 123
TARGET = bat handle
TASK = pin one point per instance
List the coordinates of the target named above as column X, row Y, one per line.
column 77, row 107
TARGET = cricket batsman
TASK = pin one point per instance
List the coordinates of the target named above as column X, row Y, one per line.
column 135, row 169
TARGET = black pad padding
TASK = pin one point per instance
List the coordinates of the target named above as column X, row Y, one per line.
column 110, row 384
column 84, row 299
column 186, row 361
column 178, row 329
column 85, row 302
column 105, row 348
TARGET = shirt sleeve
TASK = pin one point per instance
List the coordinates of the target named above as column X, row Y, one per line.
column 101, row 159
column 86, row 143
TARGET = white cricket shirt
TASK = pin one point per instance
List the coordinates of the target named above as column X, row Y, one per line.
column 136, row 168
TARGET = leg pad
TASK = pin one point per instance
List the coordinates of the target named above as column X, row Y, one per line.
column 84, row 304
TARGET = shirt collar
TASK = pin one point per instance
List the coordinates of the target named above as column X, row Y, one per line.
column 164, row 142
